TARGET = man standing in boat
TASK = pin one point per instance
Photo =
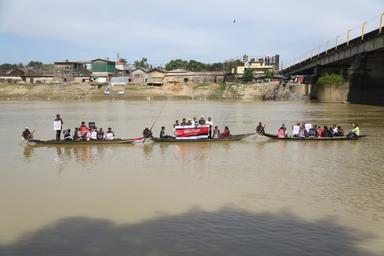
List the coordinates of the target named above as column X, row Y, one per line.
column 58, row 126
column 210, row 123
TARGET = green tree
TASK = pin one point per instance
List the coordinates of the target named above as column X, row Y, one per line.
column 143, row 63
column 269, row 74
column 331, row 79
column 229, row 65
column 175, row 64
column 248, row 75
column 7, row 66
column 35, row 64
column 197, row 66
column 216, row 67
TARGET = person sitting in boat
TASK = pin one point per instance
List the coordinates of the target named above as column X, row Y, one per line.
column 147, row 133
column 282, row 132
column 176, row 124
column 327, row 132
column 100, row 134
column 109, row 135
column 189, row 122
column 226, row 132
column 335, row 131
column 183, row 122
column 27, row 135
column 296, row 130
column 93, row 135
column 83, row 129
column 355, row 132
column 67, row 134
column 163, row 135
column 76, row 135
column 340, row 131
column 308, row 126
column 260, row 128
column 216, row 132
column 320, row 131
column 313, row 131
column 302, row 132
column 201, row 120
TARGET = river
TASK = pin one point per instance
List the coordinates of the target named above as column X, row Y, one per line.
column 252, row 197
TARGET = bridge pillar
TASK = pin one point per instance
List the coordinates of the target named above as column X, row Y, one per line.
column 366, row 78
column 315, row 76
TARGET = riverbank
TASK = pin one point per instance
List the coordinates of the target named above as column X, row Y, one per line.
column 249, row 92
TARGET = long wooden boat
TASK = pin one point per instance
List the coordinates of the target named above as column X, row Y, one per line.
column 339, row 138
column 229, row 138
column 78, row 142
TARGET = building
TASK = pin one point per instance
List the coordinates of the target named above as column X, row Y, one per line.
column 273, row 61
column 156, row 76
column 184, row 76
column 102, row 70
column 27, row 75
column 260, row 69
column 38, row 77
column 122, row 65
column 139, row 76
column 68, row 71
column 12, row 76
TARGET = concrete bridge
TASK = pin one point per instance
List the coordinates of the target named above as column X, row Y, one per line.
column 360, row 61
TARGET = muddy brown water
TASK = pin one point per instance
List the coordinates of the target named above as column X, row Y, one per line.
column 252, row 197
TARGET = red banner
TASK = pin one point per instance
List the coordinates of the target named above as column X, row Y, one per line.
column 191, row 131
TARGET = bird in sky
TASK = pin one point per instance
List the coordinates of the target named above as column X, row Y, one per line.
column 234, row 21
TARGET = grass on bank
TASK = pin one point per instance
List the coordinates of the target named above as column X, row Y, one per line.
column 220, row 90
column 331, row 80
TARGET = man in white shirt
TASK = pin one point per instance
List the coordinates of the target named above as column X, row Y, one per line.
column 94, row 134
column 296, row 130
column 109, row 135
column 58, row 126
column 308, row 126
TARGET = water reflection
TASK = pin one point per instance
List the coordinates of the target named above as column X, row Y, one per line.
column 28, row 152
column 224, row 232
column 64, row 155
column 192, row 151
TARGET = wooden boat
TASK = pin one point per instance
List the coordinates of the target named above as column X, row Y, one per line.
column 79, row 142
column 229, row 138
column 339, row 138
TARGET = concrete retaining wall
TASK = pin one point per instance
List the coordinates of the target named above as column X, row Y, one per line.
column 332, row 93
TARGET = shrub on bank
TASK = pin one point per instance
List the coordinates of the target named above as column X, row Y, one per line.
column 331, row 79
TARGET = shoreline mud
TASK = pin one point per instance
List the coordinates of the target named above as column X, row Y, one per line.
column 211, row 91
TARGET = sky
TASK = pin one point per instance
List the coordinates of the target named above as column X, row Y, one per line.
column 162, row 30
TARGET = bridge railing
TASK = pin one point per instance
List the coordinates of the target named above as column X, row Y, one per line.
column 359, row 31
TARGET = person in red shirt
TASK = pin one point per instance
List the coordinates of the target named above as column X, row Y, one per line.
column 282, row 132
column 226, row 132
column 320, row 131
column 83, row 130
